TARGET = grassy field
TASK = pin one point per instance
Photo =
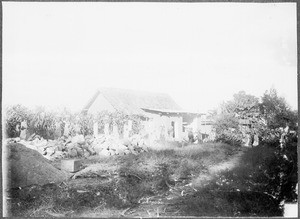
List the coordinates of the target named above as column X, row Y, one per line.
column 182, row 181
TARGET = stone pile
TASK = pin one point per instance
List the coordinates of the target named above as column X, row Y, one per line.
column 80, row 146
column 108, row 145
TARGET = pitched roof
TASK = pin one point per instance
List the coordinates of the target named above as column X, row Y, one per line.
column 131, row 101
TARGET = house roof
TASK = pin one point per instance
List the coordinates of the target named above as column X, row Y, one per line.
column 132, row 101
column 172, row 112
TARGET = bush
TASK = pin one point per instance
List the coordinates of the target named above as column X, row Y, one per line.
column 43, row 123
column 14, row 116
column 231, row 138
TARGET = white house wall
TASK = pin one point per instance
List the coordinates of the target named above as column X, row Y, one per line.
column 206, row 129
column 158, row 125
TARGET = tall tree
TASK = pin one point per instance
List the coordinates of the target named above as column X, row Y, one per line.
column 276, row 111
column 242, row 110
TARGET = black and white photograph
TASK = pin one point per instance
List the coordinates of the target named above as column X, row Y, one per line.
column 149, row 109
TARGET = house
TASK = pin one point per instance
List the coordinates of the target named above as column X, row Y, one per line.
column 162, row 116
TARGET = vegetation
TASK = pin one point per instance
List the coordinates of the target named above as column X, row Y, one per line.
column 246, row 114
column 276, row 111
column 46, row 123
column 14, row 116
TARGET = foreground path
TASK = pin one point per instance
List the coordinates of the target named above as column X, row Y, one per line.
column 229, row 164
column 218, row 168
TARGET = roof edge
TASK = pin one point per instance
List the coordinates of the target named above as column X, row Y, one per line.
column 91, row 101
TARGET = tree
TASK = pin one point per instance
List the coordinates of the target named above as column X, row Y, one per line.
column 237, row 117
column 276, row 111
column 242, row 102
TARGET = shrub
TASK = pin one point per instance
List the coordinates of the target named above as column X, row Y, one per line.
column 231, row 138
column 85, row 123
column 14, row 116
column 43, row 123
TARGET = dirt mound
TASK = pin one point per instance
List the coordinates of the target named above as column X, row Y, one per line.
column 25, row 167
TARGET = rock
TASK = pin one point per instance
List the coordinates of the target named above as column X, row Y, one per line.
column 126, row 142
column 92, row 151
column 120, row 147
column 97, row 148
column 51, row 143
column 145, row 147
column 86, row 153
column 127, row 151
column 134, row 152
column 134, row 142
column 72, row 152
column 80, row 152
column 141, row 142
column 50, row 151
column 100, row 139
column 59, row 154
column 70, row 145
column 31, row 137
column 135, row 139
column 138, row 150
column 89, row 138
column 59, row 147
column 121, row 150
column 104, row 153
column 79, row 139
column 49, row 157
column 23, row 142
column 130, row 147
column 41, row 143
column 41, row 150
column 136, row 147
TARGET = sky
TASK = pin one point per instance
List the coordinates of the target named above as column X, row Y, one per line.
column 58, row 54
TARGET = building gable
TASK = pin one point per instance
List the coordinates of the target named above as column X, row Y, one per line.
column 101, row 104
